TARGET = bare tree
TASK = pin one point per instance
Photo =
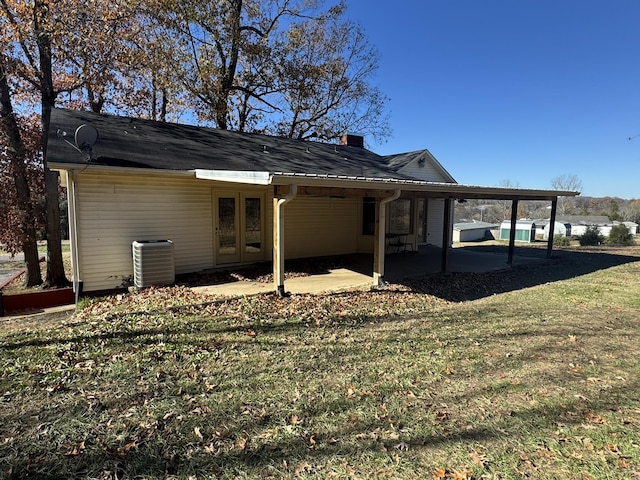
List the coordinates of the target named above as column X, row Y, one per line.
column 567, row 182
column 284, row 67
column 324, row 69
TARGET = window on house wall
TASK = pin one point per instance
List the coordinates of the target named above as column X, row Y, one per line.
column 368, row 216
column 400, row 216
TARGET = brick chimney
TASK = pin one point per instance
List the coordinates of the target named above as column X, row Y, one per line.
column 352, row 140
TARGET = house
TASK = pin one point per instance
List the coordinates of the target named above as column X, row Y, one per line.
column 227, row 199
column 632, row 226
column 580, row 223
column 472, row 231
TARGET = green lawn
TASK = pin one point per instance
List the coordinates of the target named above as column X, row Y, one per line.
column 540, row 381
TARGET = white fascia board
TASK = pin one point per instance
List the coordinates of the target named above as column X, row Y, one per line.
column 446, row 189
column 253, row 178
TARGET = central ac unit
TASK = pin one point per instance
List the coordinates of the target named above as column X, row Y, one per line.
column 153, row 263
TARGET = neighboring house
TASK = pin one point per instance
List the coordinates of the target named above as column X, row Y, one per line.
column 576, row 225
column 605, row 230
column 632, row 226
column 472, row 231
column 580, row 223
column 227, row 199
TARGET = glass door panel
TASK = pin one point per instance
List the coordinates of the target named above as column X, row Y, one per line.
column 252, row 225
column 227, row 229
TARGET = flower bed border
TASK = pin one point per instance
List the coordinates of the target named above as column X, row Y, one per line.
column 35, row 300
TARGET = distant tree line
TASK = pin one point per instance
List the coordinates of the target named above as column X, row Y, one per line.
column 494, row 211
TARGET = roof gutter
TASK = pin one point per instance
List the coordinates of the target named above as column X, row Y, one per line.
column 454, row 190
column 83, row 167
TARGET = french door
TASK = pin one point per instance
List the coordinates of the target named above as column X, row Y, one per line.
column 239, row 227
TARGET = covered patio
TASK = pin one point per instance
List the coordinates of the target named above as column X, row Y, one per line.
column 357, row 272
column 426, row 260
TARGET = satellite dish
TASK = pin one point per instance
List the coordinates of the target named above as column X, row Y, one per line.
column 83, row 140
column 85, row 137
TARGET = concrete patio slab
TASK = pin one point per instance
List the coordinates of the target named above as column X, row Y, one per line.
column 359, row 274
column 334, row 280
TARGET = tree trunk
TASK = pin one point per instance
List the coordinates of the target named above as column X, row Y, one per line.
column 10, row 128
column 55, row 266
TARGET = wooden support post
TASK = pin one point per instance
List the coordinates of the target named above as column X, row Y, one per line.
column 381, row 238
column 446, row 236
column 278, row 238
column 512, row 232
column 378, row 253
column 278, row 261
column 552, row 223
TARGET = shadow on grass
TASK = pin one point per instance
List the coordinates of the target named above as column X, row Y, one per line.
column 158, row 450
column 564, row 265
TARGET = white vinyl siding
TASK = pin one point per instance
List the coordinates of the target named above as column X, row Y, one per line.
column 317, row 226
column 115, row 210
column 426, row 172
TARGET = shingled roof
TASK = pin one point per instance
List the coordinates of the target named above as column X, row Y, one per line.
column 146, row 144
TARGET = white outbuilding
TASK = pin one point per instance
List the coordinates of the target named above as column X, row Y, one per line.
column 525, row 230
column 559, row 228
column 472, row 231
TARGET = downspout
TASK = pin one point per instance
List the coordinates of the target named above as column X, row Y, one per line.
column 381, row 237
column 278, row 241
column 73, row 233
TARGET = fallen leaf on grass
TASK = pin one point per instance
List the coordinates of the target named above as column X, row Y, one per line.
column 479, row 459
column 461, row 474
column 595, row 418
column 302, row 468
column 241, row 443
column 439, row 473
column 75, row 449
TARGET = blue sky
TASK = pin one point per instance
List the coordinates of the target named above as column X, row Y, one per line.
column 518, row 90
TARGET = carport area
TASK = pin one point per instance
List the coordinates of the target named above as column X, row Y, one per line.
column 357, row 271
column 427, row 261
